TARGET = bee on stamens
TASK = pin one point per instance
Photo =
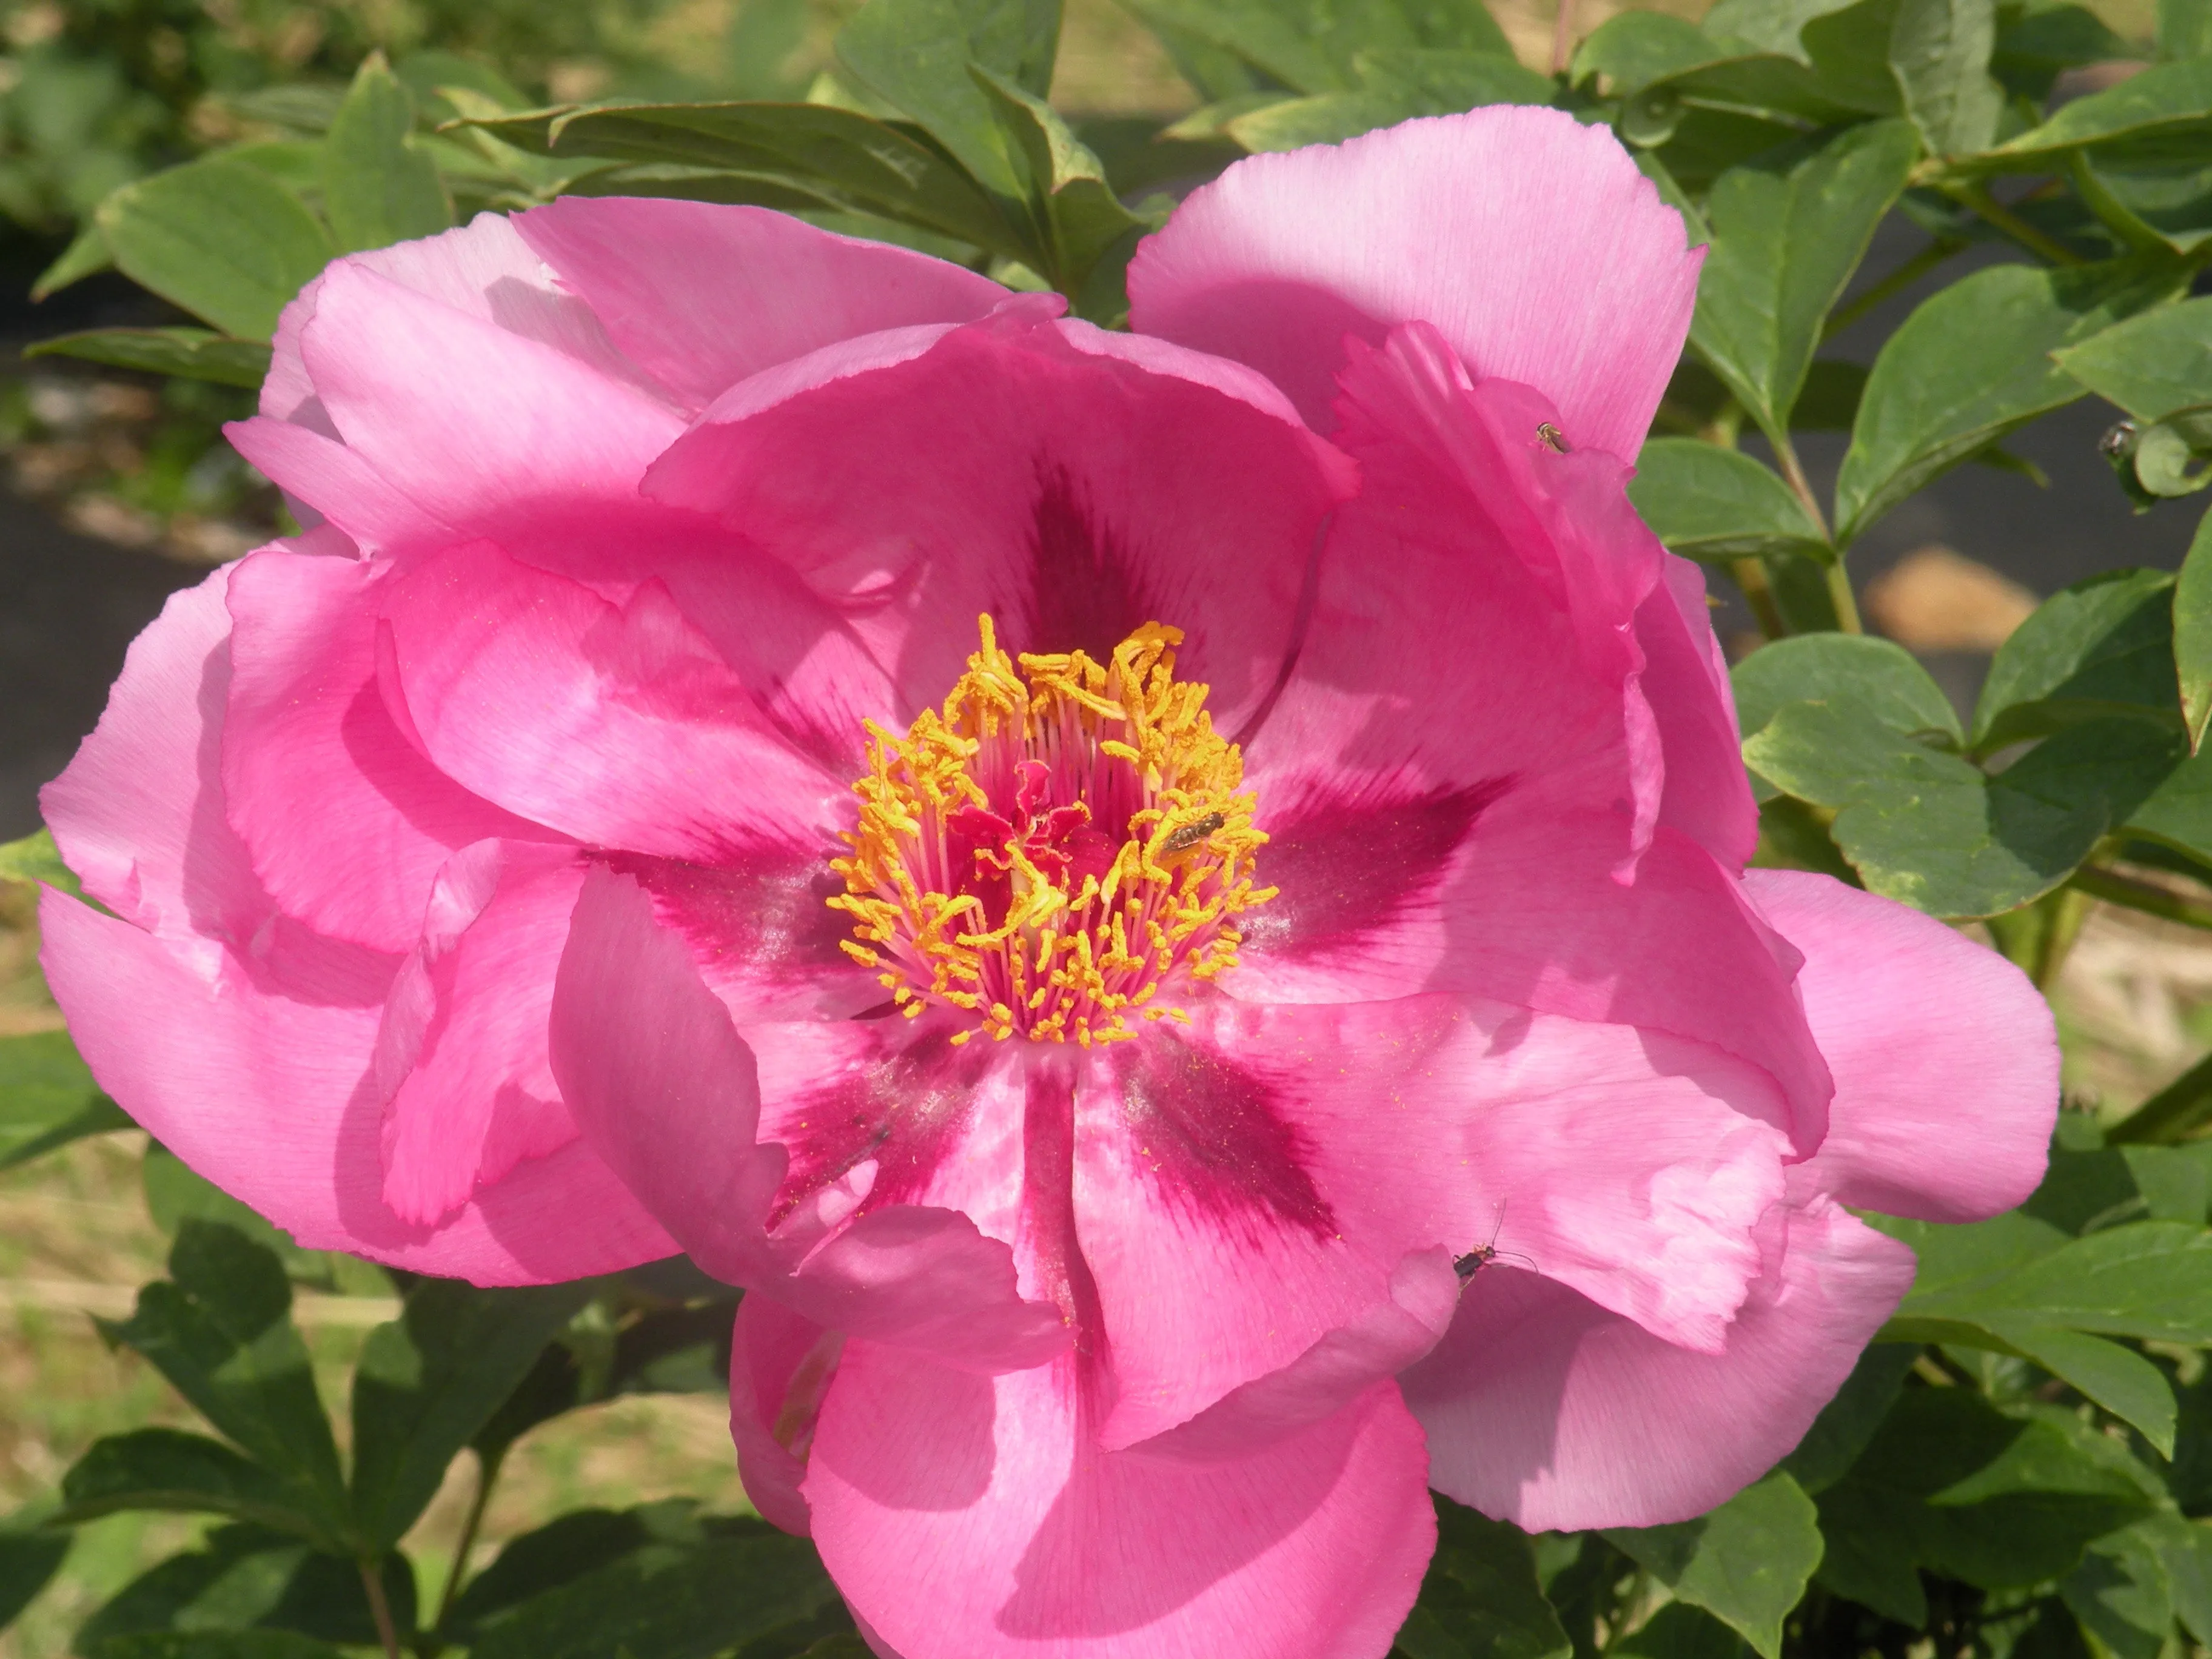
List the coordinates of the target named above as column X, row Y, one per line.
column 1193, row 833
column 1552, row 438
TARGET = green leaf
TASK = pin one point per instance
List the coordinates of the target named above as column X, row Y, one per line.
column 1776, row 25
column 1786, row 236
column 218, row 1644
column 686, row 1599
column 1396, row 86
column 2102, row 647
column 221, row 238
column 1678, row 1630
column 1633, row 48
column 1878, row 678
column 1082, row 218
column 1480, row 1599
column 220, row 1330
column 169, row 1469
column 35, row 858
column 191, row 354
column 29, row 1558
column 176, row 1193
column 1847, row 1422
column 2149, row 1279
column 1708, row 503
column 377, row 188
column 2035, row 44
column 429, row 1381
column 2123, row 1594
column 246, row 1578
column 559, row 1553
column 87, row 253
column 1746, row 1562
column 2169, row 455
column 2148, row 200
column 2150, row 365
column 849, row 160
column 1312, row 45
column 2118, row 1378
column 916, row 56
column 2184, row 29
column 1940, row 50
column 48, row 1098
column 2167, row 101
column 2192, row 632
column 1971, row 365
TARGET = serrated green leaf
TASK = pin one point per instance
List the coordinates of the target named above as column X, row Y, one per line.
column 170, row 1470
column 1480, row 1599
column 191, row 354
column 1786, row 236
column 2167, row 101
column 1971, row 365
column 429, row 1381
column 220, row 1330
column 219, row 238
column 2150, row 365
column 377, row 188
column 48, row 1098
column 1708, row 503
column 1746, row 1562
column 2102, row 647
column 1940, row 52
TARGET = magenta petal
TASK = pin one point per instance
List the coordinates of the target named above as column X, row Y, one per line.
column 1492, row 224
column 1707, row 795
column 341, row 485
column 669, row 1093
column 967, row 1518
column 345, row 823
column 782, row 1365
column 1945, row 1056
column 1544, row 1410
column 264, row 1088
column 1012, row 467
column 620, row 726
column 702, row 295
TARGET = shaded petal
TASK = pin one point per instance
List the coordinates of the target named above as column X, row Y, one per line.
column 781, row 1368
column 967, row 1518
column 1530, row 240
column 702, row 295
column 1945, row 1055
column 263, row 1085
column 1707, row 795
column 620, row 726
column 662, row 1084
column 344, row 821
column 340, row 483
column 1543, row 1409
column 1015, row 468
column 474, row 422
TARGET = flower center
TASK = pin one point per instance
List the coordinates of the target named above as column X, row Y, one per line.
column 1065, row 838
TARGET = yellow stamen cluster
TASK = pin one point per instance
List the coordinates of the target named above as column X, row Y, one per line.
column 1016, row 940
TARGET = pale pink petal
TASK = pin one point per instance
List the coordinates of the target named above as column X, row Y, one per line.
column 669, row 1093
column 346, row 824
column 1529, row 239
column 1073, row 495
column 257, row 1076
column 461, row 1062
column 700, row 295
column 1945, row 1056
column 620, row 726
column 967, row 1518
column 781, row 1368
column 474, row 422
column 1707, row 794
column 340, row 486
column 1543, row 1409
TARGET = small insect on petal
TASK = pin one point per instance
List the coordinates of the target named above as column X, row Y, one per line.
column 1553, row 438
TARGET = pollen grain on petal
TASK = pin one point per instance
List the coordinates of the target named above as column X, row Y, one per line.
column 1060, row 842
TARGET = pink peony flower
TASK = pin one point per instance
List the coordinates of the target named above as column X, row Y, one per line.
column 1172, row 904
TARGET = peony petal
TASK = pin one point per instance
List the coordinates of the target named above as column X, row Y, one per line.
column 322, row 474
column 667, row 1091
column 475, row 422
column 1073, row 494
column 345, row 823
column 966, row 1517
column 781, row 1368
column 262, row 1084
column 1529, row 239
column 1945, row 1056
column 702, row 295
column 1544, row 1410
column 1707, row 794
column 621, row 726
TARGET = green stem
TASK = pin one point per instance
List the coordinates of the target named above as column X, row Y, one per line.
column 1846, row 602
column 2148, row 896
column 372, row 1583
column 1750, row 576
column 1896, row 282
column 2184, row 1105
column 1839, row 581
column 487, row 1473
column 1987, row 207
